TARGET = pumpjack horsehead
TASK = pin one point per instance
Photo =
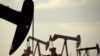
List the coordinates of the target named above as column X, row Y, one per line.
column 22, row 19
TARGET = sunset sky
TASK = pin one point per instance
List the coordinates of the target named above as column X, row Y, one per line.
column 64, row 17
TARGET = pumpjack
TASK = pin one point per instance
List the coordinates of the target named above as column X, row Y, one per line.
column 22, row 19
column 87, row 50
column 56, row 36
column 38, row 44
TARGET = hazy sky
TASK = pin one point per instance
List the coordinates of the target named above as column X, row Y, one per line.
column 65, row 17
